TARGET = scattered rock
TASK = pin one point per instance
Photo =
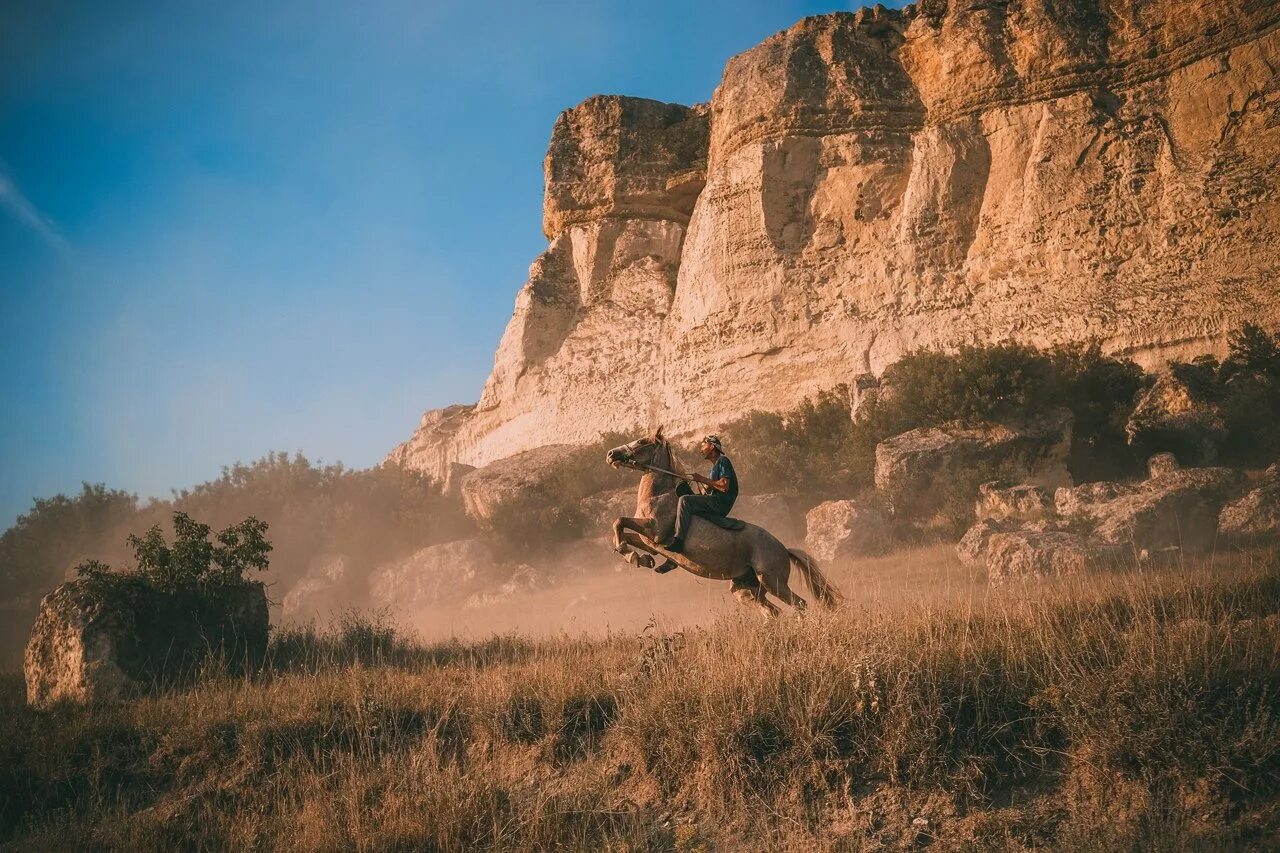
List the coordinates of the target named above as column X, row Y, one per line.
column 911, row 465
column 436, row 575
column 1161, row 464
column 1256, row 516
column 321, row 592
column 999, row 500
column 454, row 475
column 1174, row 415
column 1176, row 509
column 1024, row 554
column 89, row 645
column 523, row 581
column 972, row 548
column 558, row 473
column 603, row 508
column 845, row 530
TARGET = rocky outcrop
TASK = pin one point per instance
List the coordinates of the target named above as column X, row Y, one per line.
column 1026, row 502
column 436, row 575
column 1025, row 554
column 91, row 642
column 915, row 469
column 840, row 530
column 1255, row 517
column 1174, row 416
column 865, row 184
column 322, row 592
column 1176, row 510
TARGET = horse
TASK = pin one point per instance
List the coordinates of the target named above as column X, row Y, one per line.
column 751, row 557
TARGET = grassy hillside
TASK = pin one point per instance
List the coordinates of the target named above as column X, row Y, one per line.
column 1119, row 712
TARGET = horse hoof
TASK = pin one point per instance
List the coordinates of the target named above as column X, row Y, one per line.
column 665, row 567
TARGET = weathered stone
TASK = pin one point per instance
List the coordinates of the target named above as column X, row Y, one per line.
column 772, row 512
column 841, row 530
column 321, row 592
column 603, row 508
column 524, row 580
column 561, row 474
column 1026, row 554
column 456, row 473
column 999, row 500
column 885, row 181
column 1256, row 516
column 972, row 547
column 1174, row 416
column 436, row 575
column 1161, row 464
column 89, row 645
column 1177, row 509
column 910, row 466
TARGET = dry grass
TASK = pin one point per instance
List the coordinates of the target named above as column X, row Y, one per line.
column 1114, row 712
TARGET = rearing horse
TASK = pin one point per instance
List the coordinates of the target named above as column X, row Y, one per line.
column 752, row 558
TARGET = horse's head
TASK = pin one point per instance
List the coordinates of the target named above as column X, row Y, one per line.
column 641, row 453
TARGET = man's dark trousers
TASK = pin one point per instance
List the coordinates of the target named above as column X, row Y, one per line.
column 691, row 505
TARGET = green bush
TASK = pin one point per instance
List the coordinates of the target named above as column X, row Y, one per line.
column 817, row 451
column 1248, row 383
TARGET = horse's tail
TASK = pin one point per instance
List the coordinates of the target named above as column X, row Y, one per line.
column 823, row 590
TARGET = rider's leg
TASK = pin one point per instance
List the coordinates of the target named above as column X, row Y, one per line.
column 689, row 506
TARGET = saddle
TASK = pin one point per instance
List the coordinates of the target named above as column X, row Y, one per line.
column 725, row 521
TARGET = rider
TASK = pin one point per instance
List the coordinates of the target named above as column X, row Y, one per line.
column 723, row 482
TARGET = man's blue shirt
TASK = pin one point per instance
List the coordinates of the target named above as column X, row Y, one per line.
column 724, row 468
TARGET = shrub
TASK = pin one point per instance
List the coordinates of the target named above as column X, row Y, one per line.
column 817, row 451
column 1248, row 386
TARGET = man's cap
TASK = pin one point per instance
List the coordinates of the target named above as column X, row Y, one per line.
column 714, row 441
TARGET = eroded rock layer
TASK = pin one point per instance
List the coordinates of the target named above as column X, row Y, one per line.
column 864, row 184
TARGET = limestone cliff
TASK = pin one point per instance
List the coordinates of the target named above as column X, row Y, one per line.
column 866, row 183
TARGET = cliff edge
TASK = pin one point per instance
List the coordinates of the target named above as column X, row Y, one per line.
column 863, row 184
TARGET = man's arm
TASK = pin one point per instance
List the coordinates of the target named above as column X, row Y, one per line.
column 721, row 485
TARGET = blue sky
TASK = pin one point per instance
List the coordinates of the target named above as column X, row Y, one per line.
column 228, row 228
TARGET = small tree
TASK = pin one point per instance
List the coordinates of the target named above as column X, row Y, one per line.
column 193, row 561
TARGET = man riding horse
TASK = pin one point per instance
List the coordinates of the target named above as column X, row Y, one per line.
column 723, row 482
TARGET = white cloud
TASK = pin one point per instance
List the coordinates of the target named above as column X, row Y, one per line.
column 28, row 214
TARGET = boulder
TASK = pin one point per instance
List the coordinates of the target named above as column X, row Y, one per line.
column 436, row 575
column 1175, row 415
column 772, row 512
column 1026, row 554
column 601, row 509
column 455, row 473
column 1255, row 517
column 1161, row 464
column 844, row 530
column 561, row 474
column 1177, row 509
column 92, row 641
column 322, row 591
column 522, row 581
column 910, row 467
column 998, row 500
column 972, row 548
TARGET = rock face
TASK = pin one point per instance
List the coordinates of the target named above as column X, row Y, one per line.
column 1026, row 554
column 321, row 592
column 864, row 184
column 1174, row 510
column 436, row 575
column 1173, row 415
column 86, row 646
column 1256, row 516
column 838, row 530
column 1026, row 502
column 913, row 468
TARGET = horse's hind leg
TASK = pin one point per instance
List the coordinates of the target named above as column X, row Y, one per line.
column 748, row 591
column 776, row 583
